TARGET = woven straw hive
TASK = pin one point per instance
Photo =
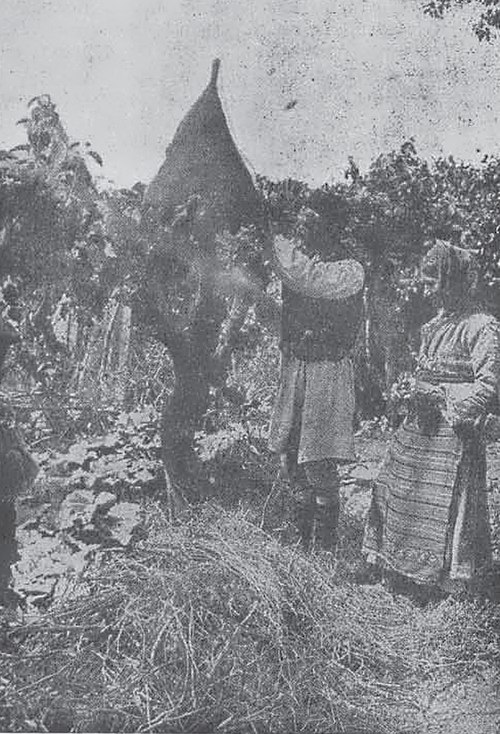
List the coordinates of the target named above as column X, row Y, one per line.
column 202, row 160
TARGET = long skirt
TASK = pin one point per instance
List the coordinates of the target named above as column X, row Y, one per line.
column 428, row 520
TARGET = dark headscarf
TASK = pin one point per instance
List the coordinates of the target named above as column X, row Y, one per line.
column 455, row 270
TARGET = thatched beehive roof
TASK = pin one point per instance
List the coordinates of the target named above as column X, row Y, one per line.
column 203, row 160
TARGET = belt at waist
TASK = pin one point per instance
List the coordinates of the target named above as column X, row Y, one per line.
column 435, row 377
column 318, row 353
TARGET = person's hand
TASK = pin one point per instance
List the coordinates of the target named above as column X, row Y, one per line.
column 466, row 429
column 492, row 427
column 430, row 408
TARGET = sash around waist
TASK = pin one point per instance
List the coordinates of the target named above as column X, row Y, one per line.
column 435, row 377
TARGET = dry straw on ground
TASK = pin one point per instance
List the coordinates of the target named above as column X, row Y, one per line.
column 212, row 626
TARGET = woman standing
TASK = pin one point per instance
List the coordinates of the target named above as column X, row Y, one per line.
column 428, row 522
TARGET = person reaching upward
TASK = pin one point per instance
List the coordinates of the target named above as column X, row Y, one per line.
column 312, row 423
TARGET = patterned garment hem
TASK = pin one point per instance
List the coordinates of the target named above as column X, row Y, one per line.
column 445, row 579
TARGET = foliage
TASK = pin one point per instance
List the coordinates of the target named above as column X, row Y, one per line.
column 49, row 209
column 387, row 218
column 123, row 460
column 86, row 497
column 211, row 623
column 61, row 235
column 52, row 238
column 57, row 547
column 488, row 14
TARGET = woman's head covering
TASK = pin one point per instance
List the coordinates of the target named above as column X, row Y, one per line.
column 455, row 271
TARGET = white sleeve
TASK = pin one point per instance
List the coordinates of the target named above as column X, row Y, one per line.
column 314, row 278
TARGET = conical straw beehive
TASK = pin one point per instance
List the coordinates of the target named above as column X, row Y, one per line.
column 203, row 160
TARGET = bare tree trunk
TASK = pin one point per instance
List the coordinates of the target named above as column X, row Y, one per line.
column 103, row 364
column 107, row 342
column 123, row 351
column 181, row 418
column 193, row 356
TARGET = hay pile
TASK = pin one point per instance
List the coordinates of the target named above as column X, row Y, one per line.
column 212, row 626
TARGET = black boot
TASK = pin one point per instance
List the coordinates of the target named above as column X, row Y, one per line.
column 326, row 518
column 304, row 516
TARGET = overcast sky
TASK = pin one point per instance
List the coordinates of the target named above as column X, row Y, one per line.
column 362, row 76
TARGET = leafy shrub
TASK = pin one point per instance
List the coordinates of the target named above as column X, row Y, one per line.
column 124, row 460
